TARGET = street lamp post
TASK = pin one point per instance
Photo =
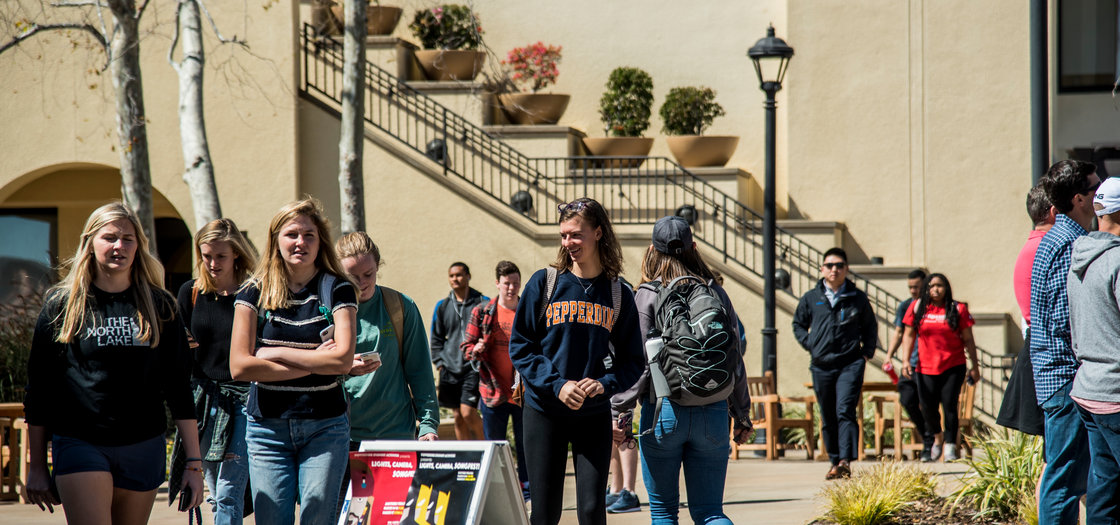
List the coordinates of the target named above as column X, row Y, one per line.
column 771, row 58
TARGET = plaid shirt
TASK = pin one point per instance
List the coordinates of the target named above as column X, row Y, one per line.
column 1051, row 352
column 483, row 319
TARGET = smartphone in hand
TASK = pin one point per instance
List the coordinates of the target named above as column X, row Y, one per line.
column 327, row 333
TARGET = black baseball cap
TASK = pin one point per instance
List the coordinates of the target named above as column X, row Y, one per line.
column 671, row 235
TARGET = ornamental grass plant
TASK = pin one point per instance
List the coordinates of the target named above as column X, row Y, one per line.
column 877, row 495
column 1002, row 475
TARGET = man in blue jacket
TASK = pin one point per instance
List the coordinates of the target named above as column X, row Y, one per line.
column 835, row 323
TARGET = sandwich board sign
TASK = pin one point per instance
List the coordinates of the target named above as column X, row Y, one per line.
column 433, row 483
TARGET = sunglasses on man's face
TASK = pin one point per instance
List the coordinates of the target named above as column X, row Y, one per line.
column 1090, row 189
column 835, row 266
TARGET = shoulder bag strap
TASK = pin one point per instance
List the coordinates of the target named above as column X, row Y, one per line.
column 549, row 288
column 394, row 305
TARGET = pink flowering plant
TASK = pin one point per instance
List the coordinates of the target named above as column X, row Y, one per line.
column 534, row 66
column 449, row 26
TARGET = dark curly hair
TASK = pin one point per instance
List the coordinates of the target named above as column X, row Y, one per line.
column 610, row 252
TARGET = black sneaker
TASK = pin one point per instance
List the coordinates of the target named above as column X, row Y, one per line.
column 627, row 502
column 612, row 497
column 927, row 449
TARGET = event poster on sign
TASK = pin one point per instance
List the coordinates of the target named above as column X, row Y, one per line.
column 412, row 487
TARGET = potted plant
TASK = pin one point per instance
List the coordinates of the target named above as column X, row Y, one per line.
column 687, row 112
column 450, row 35
column 329, row 16
column 534, row 68
column 625, row 109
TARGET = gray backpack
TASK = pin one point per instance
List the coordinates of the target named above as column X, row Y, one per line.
column 697, row 364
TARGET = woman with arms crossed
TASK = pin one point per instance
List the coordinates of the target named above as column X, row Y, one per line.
column 108, row 352
column 293, row 348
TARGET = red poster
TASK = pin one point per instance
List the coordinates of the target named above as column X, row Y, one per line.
column 406, row 488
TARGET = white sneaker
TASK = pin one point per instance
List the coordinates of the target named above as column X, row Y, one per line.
column 951, row 453
column 935, row 453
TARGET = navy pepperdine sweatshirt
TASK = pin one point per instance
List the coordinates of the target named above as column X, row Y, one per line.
column 571, row 341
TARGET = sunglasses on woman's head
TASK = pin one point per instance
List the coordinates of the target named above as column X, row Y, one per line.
column 575, row 206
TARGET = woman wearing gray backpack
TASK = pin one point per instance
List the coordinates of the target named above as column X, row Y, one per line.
column 682, row 426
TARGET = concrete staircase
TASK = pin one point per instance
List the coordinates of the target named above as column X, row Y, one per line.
column 548, row 152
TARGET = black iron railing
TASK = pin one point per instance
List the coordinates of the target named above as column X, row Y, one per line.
column 635, row 190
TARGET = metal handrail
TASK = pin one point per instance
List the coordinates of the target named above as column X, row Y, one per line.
column 635, row 190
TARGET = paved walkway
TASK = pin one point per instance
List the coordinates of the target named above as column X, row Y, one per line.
column 758, row 491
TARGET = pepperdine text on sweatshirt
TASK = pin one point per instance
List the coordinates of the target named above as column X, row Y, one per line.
column 572, row 340
column 107, row 387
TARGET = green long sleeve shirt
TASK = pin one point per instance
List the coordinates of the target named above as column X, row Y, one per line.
column 387, row 403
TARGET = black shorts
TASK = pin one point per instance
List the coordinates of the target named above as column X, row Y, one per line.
column 458, row 389
column 139, row 467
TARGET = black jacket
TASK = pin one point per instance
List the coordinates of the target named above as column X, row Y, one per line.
column 836, row 336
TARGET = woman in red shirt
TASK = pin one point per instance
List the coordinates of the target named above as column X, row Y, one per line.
column 944, row 331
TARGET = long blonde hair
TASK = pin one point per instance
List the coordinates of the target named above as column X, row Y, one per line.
column 223, row 230
column 666, row 267
column 271, row 274
column 145, row 275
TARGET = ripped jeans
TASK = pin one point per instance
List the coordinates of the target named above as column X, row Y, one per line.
column 226, row 480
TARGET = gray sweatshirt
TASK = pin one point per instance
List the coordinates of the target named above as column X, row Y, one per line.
column 1094, row 308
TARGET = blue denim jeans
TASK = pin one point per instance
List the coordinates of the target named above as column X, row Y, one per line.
column 494, row 423
column 696, row 438
column 297, row 458
column 226, row 479
column 1102, row 503
column 1067, row 460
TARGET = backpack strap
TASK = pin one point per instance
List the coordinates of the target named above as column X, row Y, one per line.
column 394, row 305
column 616, row 298
column 326, row 296
column 549, row 288
column 194, row 294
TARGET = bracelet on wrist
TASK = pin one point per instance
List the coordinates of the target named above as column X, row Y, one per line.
column 193, row 469
column 194, row 459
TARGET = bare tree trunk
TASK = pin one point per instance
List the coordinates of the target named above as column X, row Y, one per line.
column 352, row 138
column 132, row 134
column 198, row 171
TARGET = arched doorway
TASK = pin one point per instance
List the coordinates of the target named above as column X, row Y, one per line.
column 41, row 220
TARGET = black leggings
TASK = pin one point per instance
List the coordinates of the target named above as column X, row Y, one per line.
column 911, row 400
column 943, row 389
column 546, row 455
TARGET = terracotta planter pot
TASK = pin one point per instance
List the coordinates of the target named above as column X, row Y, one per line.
column 444, row 64
column 380, row 19
column 619, row 146
column 533, row 108
column 702, row 150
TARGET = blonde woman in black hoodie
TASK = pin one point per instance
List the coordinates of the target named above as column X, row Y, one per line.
column 109, row 352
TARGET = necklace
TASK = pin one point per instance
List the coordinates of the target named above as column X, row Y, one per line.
column 587, row 287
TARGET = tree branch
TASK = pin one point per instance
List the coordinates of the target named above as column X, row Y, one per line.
column 175, row 39
column 214, row 26
column 37, row 28
column 78, row 3
column 140, row 12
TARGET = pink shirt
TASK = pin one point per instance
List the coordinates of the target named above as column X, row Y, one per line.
column 1021, row 279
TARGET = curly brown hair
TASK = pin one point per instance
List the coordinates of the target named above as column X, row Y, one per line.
column 610, row 252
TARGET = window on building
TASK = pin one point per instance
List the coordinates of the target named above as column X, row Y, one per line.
column 1087, row 45
column 28, row 251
